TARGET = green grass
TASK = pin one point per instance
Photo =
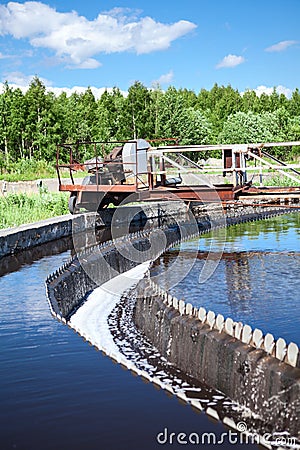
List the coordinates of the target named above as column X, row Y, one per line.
column 18, row 209
column 278, row 180
column 25, row 170
column 30, row 170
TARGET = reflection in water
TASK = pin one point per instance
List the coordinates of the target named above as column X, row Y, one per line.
column 237, row 273
column 257, row 280
column 89, row 237
column 280, row 233
column 58, row 393
column 15, row 262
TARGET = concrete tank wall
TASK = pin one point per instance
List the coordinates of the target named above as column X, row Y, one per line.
column 252, row 377
column 246, row 373
column 68, row 286
column 16, row 239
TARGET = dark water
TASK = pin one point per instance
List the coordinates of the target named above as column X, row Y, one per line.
column 59, row 393
column 257, row 280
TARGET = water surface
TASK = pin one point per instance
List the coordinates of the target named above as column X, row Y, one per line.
column 59, row 393
column 256, row 281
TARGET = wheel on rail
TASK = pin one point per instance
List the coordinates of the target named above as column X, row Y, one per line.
column 72, row 203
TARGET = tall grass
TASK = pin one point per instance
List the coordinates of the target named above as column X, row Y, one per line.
column 280, row 180
column 18, row 209
column 25, row 169
column 31, row 169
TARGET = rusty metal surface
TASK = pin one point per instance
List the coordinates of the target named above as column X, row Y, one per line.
column 98, row 188
column 152, row 185
column 271, row 190
column 198, row 193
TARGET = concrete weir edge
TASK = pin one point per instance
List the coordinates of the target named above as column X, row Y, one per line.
column 272, row 358
column 257, row 372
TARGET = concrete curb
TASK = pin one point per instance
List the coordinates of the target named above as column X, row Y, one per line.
column 58, row 292
column 223, row 354
column 16, row 239
column 24, row 237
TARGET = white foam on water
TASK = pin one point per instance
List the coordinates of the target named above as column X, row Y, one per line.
column 91, row 319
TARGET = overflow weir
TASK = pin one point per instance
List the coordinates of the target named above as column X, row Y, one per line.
column 260, row 375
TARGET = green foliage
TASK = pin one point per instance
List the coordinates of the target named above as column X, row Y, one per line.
column 170, row 109
column 277, row 180
column 249, row 127
column 26, row 169
column 218, row 104
column 137, row 109
column 16, row 209
column 110, row 123
column 32, row 124
column 194, row 127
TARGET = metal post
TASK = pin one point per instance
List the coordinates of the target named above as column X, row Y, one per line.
column 233, row 169
column 136, row 165
column 260, row 174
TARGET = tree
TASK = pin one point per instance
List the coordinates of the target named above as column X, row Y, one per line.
column 86, row 115
column 243, row 128
column 194, row 127
column 139, row 118
column 218, row 104
column 170, row 109
column 249, row 101
column 156, row 102
column 5, row 102
column 203, row 100
column 189, row 98
column 110, row 116
column 12, row 126
column 39, row 119
column 294, row 103
column 18, row 124
column 274, row 100
column 32, row 124
column 61, row 113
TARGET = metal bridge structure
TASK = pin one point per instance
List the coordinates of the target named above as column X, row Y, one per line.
column 104, row 173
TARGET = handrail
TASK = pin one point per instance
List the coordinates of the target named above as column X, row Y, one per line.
column 280, row 162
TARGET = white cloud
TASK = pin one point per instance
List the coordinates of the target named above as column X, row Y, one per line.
column 230, row 61
column 75, row 39
column 17, row 80
column 165, row 78
column 268, row 90
column 89, row 63
column 281, row 46
column 81, row 89
column 21, row 81
column 284, row 90
column 2, row 56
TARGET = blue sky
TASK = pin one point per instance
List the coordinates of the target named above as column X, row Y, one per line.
column 187, row 44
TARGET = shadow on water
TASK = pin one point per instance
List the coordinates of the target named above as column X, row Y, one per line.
column 13, row 263
column 59, row 393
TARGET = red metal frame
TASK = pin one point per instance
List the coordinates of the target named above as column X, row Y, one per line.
column 140, row 190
